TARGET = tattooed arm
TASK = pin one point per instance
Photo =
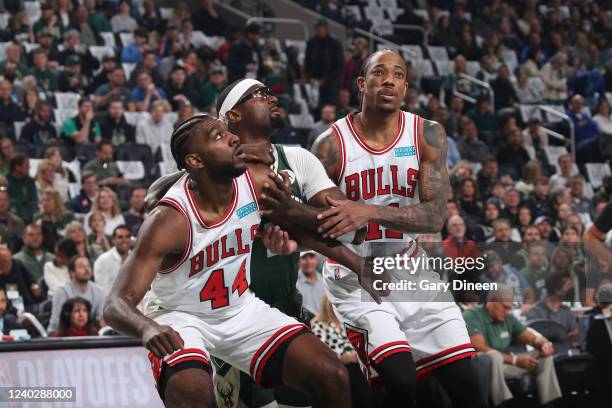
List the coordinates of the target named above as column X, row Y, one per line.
column 327, row 150
column 430, row 214
column 427, row 216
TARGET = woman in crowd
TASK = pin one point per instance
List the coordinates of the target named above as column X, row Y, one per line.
column 30, row 99
column 97, row 240
column 533, row 170
column 603, row 118
column 45, row 173
column 76, row 319
column 106, row 203
column 76, row 232
column 469, row 198
column 53, row 212
column 492, row 211
column 62, row 176
column 524, row 219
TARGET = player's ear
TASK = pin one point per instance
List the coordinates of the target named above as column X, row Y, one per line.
column 193, row 161
column 233, row 116
column 360, row 84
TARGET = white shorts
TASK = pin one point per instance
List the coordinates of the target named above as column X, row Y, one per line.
column 433, row 331
column 246, row 339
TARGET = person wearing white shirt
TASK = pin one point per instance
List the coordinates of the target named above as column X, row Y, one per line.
column 603, row 118
column 55, row 272
column 123, row 21
column 566, row 167
column 310, row 283
column 534, row 136
column 107, row 265
column 155, row 129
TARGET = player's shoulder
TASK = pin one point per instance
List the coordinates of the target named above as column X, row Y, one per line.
column 166, row 216
column 328, row 138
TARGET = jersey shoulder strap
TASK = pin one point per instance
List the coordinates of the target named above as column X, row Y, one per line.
column 283, row 164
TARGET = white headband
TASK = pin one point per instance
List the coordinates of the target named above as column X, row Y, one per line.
column 235, row 94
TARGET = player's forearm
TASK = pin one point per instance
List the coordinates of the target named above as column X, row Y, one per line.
column 595, row 247
column 123, row 316
column 426, row 217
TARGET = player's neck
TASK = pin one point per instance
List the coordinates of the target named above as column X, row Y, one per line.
column 213, row 193
column 375, row 125
column 254, row 135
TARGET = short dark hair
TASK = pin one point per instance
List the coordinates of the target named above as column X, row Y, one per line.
column 17, row 160
column 554, row 281
column 40, row 103
column 102, row 144
column 181, row 134
column 84, row 100
column 72, row 264
column 66, row 247
column 120, row 227
column 38, row 51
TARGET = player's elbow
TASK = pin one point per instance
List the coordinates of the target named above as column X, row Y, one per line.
column 111, row 308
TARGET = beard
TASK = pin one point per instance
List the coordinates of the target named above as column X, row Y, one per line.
column 277, row 122
column 226, row 169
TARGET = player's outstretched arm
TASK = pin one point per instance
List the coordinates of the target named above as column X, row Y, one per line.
column 136, row 275
column 430, row 214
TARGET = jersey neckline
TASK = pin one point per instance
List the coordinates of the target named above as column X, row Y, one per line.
column 196, row 210
column 362, row 142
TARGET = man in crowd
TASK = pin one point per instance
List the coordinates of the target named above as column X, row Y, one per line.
column 536, row 270
column 156, row 129
column 83, row 128
column 328, row 117
column 309, row 283
column 80, row 285
column 135, row 214
column 565, row 171
column 513, row 157
column 146, row 92
column 72, row 79
column 21, row 188
column 115, row 88
column 16, row 279
column 492, row 328
column 81, row 204
column 107, row 265
column 39, row 129
column 32, row 255
column 11, row 226
column 104, row 167
column 115, row 128
column 10, row 111
column 46, row 77
column 497, row 272
column 457, row 245
column 244, row 56
column 470, row 147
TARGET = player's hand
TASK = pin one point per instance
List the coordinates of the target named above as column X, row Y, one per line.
column 526, row 361
column 345, row 216
column 161, row 340
column 547, row 349
column 257, row 153
column 278, row 241
column 276, row 195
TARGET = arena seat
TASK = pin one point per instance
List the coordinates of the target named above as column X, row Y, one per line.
column 85, row 152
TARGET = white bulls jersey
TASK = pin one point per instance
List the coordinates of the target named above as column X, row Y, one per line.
column 213, row 273
column 387, row 176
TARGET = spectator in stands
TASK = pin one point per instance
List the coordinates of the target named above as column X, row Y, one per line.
column 552, row 308
column 10, row 111
column 73, row 47
column 511, row 202
column 470, row 147
column 328, row 117
column 145, row 92
column 40, row 130
column 29, row 101
column 82, row 128
column 603, row 119
column 453, row 80
column 156, row 129
column 513, row 157
column 456, row 111
column 492, row 328
column 536, row 270
column 71, row 79
column 207, row 20
column 46, row 77
column 81, row 286
column 469, row 198
column 457, row 245
column 81, row 204
column 151, row 19
column 244, row 56
column 52, row 211
column 55, row 272
column 104, row 167
column 98, row 241
column 554, row 76
column 115, row 128
column 32, row 255
column 48, row 21
column 135, row 214
column 353, row 65
column 505, row 97
column 132, row 54
column 487, row 175
column 12, row 57
column 76, row 233
column 107, row 204
column 534, row 136
column 185, row 111
column 76, row 319
column 148, row 63
column 15, row 276
column 535, row 44
column 483, row 115
column 44, row 176
column 285, row 133
column 527, row 92
column 343, row 107
column 86, row 25
column 603, row 196
column 209, row 90
column 21, row 188
column 96, row 19
column 585, row 129
column 107, row 265
column 532, row 171
column 310, row 283
column 566, row 170
column 503, row 244
column 410, row 17
column 538, row 200
column 324, row 63
column 7, row 151
column 114, row 89
column 580, row 204
column 109, row 63
column 11, row 226
column 180, row 88
column 123, row 21
column 487, row 71
column 545, row 225
column 8, row 320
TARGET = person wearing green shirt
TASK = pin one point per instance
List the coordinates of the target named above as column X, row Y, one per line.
column 492, row 328
column 22, row 188
column 536, row 271
column 82, row 128
column 46, row 78
column 210, row 89
column 32, row 255
column 104, row 167
column 48, row 21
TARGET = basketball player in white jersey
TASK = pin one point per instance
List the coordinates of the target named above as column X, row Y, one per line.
column 193, row 251
column 391, row 165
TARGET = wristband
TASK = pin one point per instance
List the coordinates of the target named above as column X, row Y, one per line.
column 514, row 360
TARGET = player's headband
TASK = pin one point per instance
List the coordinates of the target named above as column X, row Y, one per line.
column 235, row 95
